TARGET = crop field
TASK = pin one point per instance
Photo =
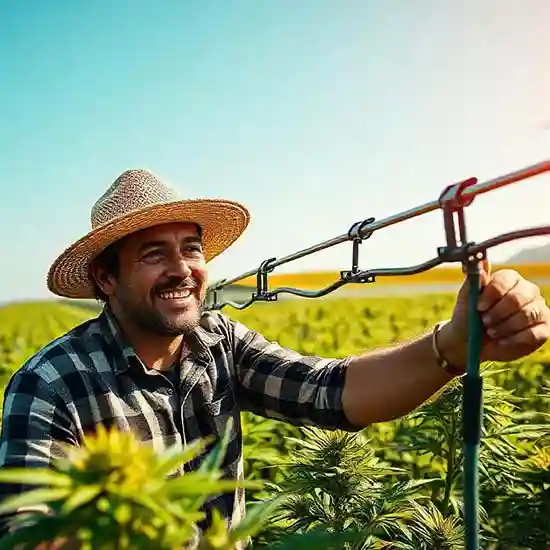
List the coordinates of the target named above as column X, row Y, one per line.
column 438, row 276
column 396, row 485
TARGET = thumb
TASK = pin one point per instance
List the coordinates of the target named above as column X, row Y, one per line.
column 485, row 275
column 484, row 278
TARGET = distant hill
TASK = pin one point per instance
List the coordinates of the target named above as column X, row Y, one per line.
column 534, row 255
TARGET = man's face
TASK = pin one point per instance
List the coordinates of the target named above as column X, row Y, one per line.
column 162, row 279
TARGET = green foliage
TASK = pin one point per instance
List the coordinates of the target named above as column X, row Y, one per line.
column 426, row 445
column 114, row 492
column 396, row 485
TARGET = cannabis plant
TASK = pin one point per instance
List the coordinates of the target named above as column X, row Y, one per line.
column 429, row 444
column 116, row 493
column 266, row 445
column 518, row 512
column 335, row 481
column 399, row 485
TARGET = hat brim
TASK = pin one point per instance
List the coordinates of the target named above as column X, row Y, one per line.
column 221, row 221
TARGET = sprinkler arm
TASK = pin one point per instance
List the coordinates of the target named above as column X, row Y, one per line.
column 453, row 201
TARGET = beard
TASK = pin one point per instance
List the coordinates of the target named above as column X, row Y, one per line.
column 151, row 319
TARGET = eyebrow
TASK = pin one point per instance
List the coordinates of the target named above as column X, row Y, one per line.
column 158, row 243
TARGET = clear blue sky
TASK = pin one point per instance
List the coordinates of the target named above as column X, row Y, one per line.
column 314, row 113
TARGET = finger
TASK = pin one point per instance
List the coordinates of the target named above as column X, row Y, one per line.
column 500, row 284
column 531, row 338
column 531, row 314
column 522, row 295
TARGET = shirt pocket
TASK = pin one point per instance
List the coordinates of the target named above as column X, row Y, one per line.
column 220, row 411
column 217, row 414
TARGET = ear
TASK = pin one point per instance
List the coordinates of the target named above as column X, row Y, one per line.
column 103, row 279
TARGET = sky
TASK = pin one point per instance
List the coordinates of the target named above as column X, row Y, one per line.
column 314, row 114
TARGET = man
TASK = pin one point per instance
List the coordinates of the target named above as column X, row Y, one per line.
column 154, row 363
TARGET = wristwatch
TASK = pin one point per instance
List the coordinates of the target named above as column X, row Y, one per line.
column 451, row 369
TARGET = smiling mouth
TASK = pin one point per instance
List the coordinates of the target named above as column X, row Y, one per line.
column 181, row 294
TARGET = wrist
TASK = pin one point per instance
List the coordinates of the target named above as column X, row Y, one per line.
column 450, row 349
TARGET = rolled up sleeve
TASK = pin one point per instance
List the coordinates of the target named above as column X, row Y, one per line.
column 276, row 382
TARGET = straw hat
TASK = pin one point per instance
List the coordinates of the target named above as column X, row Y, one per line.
column 136, row 200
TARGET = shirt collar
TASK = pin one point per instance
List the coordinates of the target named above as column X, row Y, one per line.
column 123, row 353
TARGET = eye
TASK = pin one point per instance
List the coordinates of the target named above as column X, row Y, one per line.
column 152, row 255
column 194, row 249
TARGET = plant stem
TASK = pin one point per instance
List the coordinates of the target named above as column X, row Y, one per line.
column 449, row 479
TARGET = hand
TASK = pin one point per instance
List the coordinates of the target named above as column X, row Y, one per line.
column 515, row 317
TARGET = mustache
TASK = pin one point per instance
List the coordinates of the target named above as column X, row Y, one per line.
column 176, row 283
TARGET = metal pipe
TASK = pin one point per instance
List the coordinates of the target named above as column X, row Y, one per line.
column 370, row 275
column 453, row 200
column 469, row 192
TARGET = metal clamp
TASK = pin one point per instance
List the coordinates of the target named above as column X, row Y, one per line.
column 357, row 235
column 262, row 286
column 453, row 202
column 213, row 302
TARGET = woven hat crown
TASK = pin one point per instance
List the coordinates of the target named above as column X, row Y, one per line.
column 133, row 190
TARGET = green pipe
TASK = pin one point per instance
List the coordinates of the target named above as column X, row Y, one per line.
column 472, row 403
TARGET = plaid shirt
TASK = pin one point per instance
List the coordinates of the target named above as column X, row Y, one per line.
column 92, row 375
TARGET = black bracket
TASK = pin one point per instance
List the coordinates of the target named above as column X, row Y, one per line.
column 356, row 235
column 215, row 304
column 471, row 259
column 262, row 287
column 453, row 202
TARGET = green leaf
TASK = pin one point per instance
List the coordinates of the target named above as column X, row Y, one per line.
column 213, row 461
column 175, row 456
column 192, row 484
column 525, row 429
column 314, row 540
column 257, row 514
column 33, row 498
column 35, row 476
column 147, row 502
column 82, row 495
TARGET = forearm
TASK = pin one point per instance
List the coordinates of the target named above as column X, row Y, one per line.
column 385, row 384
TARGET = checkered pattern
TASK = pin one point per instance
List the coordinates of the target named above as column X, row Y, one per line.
column 91, row 375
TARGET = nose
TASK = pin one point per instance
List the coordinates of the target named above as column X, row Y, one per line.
column 180, row 268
